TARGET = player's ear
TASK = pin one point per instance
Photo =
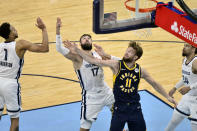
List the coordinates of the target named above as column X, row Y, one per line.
column 194, row 49
column 135, row 57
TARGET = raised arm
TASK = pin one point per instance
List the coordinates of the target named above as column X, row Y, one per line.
column 73, row 56
column 64, row 51
column 145, row 75
column 113, row 64
column 103, row 54
column 23, row 45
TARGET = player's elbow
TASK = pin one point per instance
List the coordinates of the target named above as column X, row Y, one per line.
column 44, row 49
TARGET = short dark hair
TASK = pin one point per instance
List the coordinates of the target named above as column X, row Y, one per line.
column 83, row 36
column 5, row 30
column 136, row 46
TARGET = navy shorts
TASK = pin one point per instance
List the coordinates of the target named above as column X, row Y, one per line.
column 129, row 113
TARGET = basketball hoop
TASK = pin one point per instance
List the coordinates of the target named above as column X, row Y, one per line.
column 111, row 24
column 141, row 10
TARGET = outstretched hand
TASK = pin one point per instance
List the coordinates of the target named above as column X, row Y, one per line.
column 71, row 46
column 99, row 50
column 58, row 23
column 170, row 99
column 40, row 24
column 184, row 90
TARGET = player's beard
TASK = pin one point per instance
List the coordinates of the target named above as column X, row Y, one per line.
column 86, row 46
column 127, row 60
column 183, row 53
column 16, row 36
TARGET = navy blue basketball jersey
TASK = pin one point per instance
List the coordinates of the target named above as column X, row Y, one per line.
column 126, row 83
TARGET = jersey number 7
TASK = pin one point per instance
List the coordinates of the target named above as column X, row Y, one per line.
column 95, row 71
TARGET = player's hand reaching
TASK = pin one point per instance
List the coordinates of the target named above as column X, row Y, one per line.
column 170, row 99
column 40, row 24
column 101, row 52
column 184, row 90
column 71, row 46
column 58, row 23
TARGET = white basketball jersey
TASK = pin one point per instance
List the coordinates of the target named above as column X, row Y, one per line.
column 188, row 76
column 91, row 76
column 10, row 63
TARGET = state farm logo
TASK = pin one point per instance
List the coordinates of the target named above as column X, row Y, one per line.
column 184, row 32
column 174, row 27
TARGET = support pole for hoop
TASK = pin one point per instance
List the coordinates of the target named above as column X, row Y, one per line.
column 137, row 9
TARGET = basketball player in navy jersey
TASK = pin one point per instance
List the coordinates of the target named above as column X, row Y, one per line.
column 11, row 61
column 127, row 74
column 95, row 92
column 188, row 84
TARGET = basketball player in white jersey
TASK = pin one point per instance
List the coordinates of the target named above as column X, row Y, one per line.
column 187, row 107
column 11, row 61
column 95, row 92
column 125, row 98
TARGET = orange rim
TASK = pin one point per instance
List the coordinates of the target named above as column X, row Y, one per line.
column 142, row 10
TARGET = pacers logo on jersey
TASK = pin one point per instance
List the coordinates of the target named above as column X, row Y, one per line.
column 127, row 80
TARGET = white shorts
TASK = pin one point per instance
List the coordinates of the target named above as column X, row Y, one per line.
column 188, row 107
column 92, row 104
column 10, row 97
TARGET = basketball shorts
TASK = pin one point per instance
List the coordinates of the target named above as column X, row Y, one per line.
column 92, row 104
column 129, row 113
column 10, row 97
column 188, row 107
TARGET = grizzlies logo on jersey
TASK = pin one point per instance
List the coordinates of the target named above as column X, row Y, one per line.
column 126, row 83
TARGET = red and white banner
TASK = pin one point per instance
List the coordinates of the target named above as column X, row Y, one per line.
column 177, row 24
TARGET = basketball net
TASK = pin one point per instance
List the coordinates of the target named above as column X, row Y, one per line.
column 140, row 8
